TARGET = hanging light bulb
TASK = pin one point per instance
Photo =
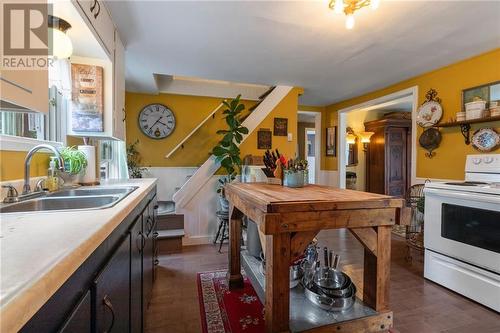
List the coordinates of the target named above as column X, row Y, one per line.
column 349, row 21
column 339, row 6
column 61, row 43
column 374, row 4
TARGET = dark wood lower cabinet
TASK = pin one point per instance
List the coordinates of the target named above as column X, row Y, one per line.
column 137, row 245
column 80, row 319
column 110, row 291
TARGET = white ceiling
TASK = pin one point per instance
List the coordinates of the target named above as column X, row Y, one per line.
column 300, row 43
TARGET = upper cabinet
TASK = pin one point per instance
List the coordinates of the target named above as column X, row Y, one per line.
column 119, row 89
column 100, row 20
column 26, row 88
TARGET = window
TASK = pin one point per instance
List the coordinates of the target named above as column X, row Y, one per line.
column 22, row 123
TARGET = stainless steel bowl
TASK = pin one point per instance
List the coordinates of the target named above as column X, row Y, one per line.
column 330, row 279
column 335, row 304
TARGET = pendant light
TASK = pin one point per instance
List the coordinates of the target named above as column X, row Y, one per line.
column 61, row 43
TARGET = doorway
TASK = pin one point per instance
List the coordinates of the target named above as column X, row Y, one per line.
column 407, row 100
column 309, row 142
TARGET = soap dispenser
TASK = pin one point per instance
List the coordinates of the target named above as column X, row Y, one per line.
column 52, row 182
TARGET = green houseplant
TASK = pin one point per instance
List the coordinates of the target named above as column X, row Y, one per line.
column 227, row 151
column 133, row 161
column 75, row 162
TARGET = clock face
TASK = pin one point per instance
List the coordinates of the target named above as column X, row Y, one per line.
column 156, row 121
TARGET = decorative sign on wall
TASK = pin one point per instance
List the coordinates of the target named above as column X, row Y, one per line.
column 280, row 126
column 264, row 139
column 87, row 102
column 331, row 141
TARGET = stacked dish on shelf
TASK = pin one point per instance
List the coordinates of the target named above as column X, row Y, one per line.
column 475, row 110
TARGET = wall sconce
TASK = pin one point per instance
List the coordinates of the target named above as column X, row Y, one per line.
column 350, row 137
column 365, row 139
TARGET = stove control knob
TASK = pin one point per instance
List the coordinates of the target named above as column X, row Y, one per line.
column 476, row 160
column 487, row 159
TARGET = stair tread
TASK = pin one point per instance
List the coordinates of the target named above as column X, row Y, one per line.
column 170, row 233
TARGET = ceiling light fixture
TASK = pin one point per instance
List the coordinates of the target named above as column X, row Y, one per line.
column 61, row 43
column 349, row 7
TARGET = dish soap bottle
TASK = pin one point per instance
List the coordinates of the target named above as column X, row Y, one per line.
column 52, row 182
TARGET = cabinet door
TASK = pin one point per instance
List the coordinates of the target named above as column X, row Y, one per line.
column 80, row 320
column 395, row 161
column 101, row 22
column 137, row 245
column 148, row 261
column 27, row 88
column 112, row 292
column 119, row 88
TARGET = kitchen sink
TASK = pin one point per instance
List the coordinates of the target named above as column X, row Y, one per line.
column 70, row 199
column 93, row 191
column 65, row 203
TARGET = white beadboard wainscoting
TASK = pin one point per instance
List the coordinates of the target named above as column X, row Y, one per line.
column 169, row 178
column 328, row 178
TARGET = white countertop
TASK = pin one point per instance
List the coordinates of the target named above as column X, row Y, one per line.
column 39, row 251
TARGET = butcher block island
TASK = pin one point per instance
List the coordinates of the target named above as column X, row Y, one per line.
column 288, row 219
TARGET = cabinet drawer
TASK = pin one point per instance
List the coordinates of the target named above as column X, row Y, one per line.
column 99, row 17
column 79, row 321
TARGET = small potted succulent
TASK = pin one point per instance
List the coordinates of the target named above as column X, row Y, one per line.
column 295, row 173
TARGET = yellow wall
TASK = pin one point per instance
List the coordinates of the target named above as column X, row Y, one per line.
column 449, row 81
column 12, row 164
column 189, row 111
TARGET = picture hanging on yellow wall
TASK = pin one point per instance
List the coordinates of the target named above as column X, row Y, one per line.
column 264, row 139
column 280, row 126
column 331, row 141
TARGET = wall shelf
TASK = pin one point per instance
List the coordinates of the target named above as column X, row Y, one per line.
column 465, row 125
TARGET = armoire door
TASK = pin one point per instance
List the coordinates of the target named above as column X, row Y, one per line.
column 396, row 161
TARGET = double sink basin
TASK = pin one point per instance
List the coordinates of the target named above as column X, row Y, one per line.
column 70, row 199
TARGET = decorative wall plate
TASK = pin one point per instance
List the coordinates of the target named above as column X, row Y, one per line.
column 485, row 139
column 429, row 114
column 431, row 111
column 430, row 140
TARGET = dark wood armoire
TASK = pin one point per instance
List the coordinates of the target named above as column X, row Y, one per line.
column 388, row 157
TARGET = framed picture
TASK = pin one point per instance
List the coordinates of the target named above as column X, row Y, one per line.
column 486, row 92
column 264, row 139
column 280, row 126
column 331, row 141
column 87, row 103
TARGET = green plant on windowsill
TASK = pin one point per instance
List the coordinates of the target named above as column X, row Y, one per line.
column 227, row 151
column 133, row 161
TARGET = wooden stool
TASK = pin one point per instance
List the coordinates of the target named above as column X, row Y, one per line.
column 223, row 219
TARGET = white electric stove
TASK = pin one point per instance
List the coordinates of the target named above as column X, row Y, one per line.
column 462, row 231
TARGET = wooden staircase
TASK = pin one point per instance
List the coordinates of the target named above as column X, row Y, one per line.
column 170, row 228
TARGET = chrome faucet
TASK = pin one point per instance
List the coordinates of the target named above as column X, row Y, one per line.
column 27, row 164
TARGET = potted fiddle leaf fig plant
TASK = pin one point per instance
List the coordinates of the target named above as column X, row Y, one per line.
column 227, row 152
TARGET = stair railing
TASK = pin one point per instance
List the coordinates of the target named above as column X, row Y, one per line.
column 181, row 144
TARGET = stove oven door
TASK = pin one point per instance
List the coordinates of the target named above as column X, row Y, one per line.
column 463, row 225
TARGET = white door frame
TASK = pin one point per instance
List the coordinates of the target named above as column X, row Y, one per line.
column 409, row 94
column 317, row 143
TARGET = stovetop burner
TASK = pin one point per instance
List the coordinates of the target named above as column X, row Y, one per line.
column 470, row 183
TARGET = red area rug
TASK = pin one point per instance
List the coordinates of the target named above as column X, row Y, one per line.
column 224, row 311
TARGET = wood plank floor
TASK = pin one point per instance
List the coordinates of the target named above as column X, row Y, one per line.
column 419, row 306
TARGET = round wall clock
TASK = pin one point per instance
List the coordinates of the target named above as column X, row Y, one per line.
column 156, row 121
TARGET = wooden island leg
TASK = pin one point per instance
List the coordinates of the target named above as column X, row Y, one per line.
column 234, row 277
column 376, row 272
column 277, row 307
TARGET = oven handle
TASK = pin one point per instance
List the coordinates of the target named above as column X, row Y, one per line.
column 469, row 196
